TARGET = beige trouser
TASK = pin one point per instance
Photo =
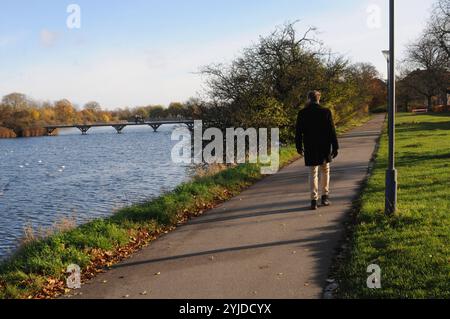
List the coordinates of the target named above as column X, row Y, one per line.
column 324, row 178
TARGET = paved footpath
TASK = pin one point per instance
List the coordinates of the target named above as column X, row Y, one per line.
column 265, row 243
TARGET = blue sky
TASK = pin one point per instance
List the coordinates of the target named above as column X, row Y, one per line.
column 141, row 52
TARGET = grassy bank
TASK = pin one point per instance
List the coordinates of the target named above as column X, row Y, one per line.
column 39, row 266
column 37, row 270
column 413, row 247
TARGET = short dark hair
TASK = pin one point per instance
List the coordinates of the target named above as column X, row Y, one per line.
column 314, row 96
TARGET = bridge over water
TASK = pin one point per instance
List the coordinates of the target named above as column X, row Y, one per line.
column 155, row 125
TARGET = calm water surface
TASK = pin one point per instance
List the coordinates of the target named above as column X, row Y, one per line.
column 46, row 179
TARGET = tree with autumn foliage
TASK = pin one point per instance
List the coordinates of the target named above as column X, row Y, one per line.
column 267, row 84
column 23, row 117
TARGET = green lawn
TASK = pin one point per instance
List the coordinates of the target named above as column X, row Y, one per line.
column 413, row 247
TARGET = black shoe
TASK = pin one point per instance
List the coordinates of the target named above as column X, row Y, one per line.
column 314, row 205
column 326, row 200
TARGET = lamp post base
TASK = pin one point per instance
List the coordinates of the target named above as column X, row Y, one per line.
column 391, row 192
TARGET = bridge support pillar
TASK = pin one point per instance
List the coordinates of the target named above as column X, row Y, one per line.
column 190, row 126
column 84, row 129
column 50, row 131
column 119, row 128
column 155, row 127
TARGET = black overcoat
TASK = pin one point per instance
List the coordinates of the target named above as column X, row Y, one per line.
column 316, row 134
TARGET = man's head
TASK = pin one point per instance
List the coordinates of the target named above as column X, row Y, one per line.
column 314, row 97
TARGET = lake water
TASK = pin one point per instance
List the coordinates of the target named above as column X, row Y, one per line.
column 46, row 179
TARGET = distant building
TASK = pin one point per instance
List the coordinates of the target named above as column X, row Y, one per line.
column 412, row 89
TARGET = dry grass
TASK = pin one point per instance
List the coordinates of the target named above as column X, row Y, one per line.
column 31, row 234
column 210, row 170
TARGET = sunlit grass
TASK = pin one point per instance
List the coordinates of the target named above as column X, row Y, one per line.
column 413, row 247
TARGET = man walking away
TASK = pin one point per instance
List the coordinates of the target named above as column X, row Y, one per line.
column 316, row 140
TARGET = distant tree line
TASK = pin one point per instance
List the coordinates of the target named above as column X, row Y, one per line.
column 425, row 74
column 175, row 110
column 24, row 117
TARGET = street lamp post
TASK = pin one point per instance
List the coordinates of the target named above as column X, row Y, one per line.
column 391, row 174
